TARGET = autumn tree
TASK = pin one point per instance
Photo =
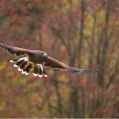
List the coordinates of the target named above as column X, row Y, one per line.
column 80, row 33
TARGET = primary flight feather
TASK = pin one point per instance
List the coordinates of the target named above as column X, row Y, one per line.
column 36, row 59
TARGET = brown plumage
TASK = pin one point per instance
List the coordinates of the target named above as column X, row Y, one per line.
column 35, row 60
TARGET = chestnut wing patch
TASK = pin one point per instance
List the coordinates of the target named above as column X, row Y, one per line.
column 22, row 51
column 53, row 63
column 15, row 50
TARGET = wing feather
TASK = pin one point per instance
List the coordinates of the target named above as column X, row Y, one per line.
column 15, row 50
column 22, row 66
column 53, row 63
column 72, row 69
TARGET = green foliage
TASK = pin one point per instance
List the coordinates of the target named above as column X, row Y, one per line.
column 3, row 21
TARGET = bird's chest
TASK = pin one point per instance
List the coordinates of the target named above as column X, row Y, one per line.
column 36, row 59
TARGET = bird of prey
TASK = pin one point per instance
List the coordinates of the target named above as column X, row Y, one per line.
column 35, row 60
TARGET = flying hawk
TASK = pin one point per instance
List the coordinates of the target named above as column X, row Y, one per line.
column 35, row 60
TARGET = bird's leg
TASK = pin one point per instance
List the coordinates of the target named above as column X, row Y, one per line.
column 31, row 66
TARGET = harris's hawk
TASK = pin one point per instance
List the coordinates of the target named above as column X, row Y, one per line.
column 35, row 60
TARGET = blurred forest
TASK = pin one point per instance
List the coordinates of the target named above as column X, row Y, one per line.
column 80, row 33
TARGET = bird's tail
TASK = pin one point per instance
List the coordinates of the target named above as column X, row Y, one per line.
column 26, row 66
column 39, row 70
column 71, row 69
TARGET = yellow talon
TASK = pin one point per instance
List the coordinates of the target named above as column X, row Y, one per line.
column 44, row 54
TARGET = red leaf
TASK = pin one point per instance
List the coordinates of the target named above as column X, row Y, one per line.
column 14, row 115
column 79, row 62
column 118, row 89
column 32, row 79
column 30, row 111
column 20, row 23
column 26, row 42
column 97, row 110
column 36, row 1
column 11, row 13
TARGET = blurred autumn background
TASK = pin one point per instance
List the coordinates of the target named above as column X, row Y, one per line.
column 80, row 33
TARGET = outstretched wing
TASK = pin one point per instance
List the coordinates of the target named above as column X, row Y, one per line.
column 15, row 50
column 53, row 63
